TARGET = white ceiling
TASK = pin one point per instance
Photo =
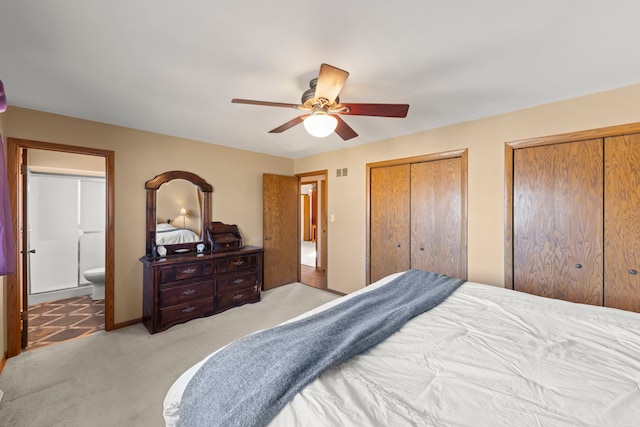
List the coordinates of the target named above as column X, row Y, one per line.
column 172, row 67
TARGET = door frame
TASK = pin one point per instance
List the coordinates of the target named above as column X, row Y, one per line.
column 509, row 149
column 14, row 293
column 322, row 228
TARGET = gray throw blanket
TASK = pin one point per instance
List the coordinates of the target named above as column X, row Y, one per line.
column 248, row 382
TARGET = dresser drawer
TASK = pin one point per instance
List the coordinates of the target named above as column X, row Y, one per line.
column 185, row 271
column 172, row 295
column 237, row 263
column 237, row 281
column 230, row 299
column 186, row 311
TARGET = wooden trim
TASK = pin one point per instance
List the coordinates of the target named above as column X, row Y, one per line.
column 121, row 325
column 322, row 223
column 3, row 361
column 335, row 292
column 155, row 183
column 13, row 285
column 110, row 248
column 418, row 159
column 508, row 216
column 510, row 148
column 464, row 248
column 14, row 294
column 318, row 173
column 577, row 136
column 463, row 154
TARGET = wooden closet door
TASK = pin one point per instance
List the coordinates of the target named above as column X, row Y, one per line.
column 389, row 219
column 557, row 221
column 622, row 222
column 436, row 217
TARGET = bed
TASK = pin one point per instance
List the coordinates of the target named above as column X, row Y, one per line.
column 486, row 356
column 167, row 234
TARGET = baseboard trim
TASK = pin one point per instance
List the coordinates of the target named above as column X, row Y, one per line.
column 3, row 360
column 125, row 324
column 335, row 292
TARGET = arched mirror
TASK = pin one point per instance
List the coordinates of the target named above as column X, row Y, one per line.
column 178, row 212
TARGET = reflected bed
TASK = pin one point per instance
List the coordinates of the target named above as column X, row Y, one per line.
column 485, row 356
column 167, row 234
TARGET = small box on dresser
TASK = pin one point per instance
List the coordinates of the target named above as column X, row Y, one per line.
column 179, row 288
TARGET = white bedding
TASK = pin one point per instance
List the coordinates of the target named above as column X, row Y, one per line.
column 167, row 234
column 487, row 356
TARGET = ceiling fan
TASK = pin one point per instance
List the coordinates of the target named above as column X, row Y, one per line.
column 324, row 108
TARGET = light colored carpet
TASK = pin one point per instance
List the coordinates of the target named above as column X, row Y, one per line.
column 120, row 378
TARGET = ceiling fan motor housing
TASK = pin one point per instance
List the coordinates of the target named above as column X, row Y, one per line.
column 310, row 94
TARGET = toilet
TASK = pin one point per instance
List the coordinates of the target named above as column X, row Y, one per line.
column 96, row 277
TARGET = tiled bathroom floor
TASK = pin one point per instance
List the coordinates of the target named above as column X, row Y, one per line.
column 57, row 321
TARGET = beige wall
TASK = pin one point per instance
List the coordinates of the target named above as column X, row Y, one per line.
column 485, row 140
column 236, row 177
column 70, row 163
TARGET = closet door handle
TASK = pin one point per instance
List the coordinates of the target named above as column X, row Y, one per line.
column 578, row 265
column 632, row 271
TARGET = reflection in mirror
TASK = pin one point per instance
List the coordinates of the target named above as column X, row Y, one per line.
column 178, row 207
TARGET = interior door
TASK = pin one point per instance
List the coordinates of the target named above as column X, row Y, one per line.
column 557, row 221
column 436, row 217
column 280, row 230
column 389, row 220
column 622, row 222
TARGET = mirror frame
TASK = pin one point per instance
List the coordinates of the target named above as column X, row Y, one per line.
column 152, row 186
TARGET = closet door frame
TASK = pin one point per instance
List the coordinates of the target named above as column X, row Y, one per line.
column 462, row 154
column 510, row 148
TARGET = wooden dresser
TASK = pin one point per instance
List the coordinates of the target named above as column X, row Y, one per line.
column 178, row 288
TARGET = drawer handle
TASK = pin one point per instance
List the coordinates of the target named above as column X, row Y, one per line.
column 238, row 281
column 239, row 262
column 238, row 296
column 632, row 271
column 578, row 265
column 189, row 292
column 188, row 309
column 189, row 271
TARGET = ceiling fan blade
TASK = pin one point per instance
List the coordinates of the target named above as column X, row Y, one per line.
column 291, row 123
column 265, row 103
column 330, row 82
column 343, row 130
column 379, row 110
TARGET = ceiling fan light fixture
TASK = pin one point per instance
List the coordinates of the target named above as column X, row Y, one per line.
column 320, row 124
